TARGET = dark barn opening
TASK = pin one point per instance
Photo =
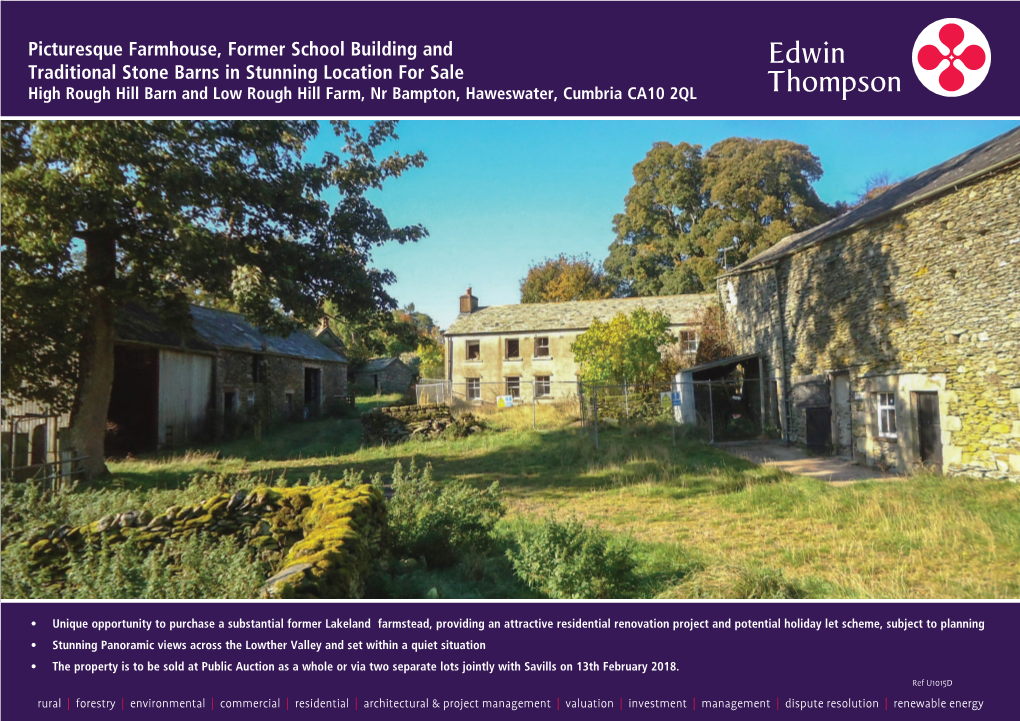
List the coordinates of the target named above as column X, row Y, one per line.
column 134, row 402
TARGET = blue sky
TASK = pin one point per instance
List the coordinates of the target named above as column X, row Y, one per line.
column 498, row 196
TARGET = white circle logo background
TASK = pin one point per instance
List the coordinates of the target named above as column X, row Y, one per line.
column 933, row 78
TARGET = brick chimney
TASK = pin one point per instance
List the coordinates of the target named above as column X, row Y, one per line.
column 468, row 303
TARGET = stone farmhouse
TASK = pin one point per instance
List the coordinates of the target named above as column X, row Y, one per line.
column 892, row 333
column 171, row 388
column 517, row 350
column 384, row 375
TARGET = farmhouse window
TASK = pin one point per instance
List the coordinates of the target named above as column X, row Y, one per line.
column 887, row 415
column 513, row 386
column 513, row 348
column 542, row 386
column 474, row 389
column 474, row 351
column 258, row 369
column 689, row 341
column 229, row 401
column 542, row 347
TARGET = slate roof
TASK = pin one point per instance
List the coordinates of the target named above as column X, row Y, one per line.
column 374, row 365
column 214, row 329
column 572, row 315
column 976, row 161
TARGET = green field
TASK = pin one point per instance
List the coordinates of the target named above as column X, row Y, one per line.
column 699, row 522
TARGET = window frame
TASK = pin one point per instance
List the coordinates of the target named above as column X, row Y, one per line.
column 886, row 407
column 467, row 350
column 513, row 386
column 506, row 349
column 543, row 386
column 473, row 389
column 686, row 342
column 539, row 346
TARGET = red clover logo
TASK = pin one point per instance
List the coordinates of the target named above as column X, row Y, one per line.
column 951, row 57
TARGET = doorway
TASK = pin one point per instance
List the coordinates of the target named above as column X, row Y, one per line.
column 929, row 428
column 313, row 386
column 842, row 429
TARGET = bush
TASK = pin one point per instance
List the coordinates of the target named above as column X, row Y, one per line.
column 188, row 568
column 571, row 560
column 437, row 522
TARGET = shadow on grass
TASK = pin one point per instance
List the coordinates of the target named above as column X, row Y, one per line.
column 547, row 464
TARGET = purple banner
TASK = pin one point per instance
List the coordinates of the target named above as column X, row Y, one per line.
column 656, row 659
column 507, row 59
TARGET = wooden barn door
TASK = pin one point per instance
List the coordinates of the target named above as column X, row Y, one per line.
column 929, row 429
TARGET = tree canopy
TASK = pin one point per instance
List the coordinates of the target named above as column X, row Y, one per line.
column 627, row 348
column 99, row 213
column 566, row 277
column 743, row 194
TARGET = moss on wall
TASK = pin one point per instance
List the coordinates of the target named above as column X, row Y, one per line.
column 325, row 541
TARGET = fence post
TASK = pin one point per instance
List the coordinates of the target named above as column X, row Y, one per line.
column 672, row 408
column 711, row 414
column 595, row 401
column 534, row 402
column 626, row 399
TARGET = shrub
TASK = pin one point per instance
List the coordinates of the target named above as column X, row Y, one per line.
column 571, row 560
column 765, row 582
column 437, row 522
column 188, row 568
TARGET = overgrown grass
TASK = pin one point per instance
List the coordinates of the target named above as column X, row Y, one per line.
column 700, row 523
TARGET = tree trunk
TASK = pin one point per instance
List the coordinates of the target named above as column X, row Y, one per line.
column 95, row 358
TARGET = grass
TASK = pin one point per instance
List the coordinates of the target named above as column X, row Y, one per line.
column 704, row 524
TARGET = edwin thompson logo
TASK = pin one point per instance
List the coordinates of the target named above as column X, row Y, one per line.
column 951, row 57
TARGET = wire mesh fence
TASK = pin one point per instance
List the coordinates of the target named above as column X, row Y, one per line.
column 712, row 410
column 715, row 410
column 512, row 402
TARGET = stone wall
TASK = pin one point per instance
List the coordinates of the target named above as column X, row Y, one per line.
column 425, row 422
column 923, row 299
column 326, row 540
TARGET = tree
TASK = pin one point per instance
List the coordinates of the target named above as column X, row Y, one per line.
column 874, row 187
column 165, row 209
column 744, row 195
column 433, row 358
column 627, row 348
column 381, row 332
column 566, row 277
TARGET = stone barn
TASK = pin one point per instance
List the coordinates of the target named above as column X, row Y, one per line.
column 384, row 375
column 892, row 333
column 172, row 388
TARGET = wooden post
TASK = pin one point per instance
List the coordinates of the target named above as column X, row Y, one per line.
column 761, row 394
column 595, row 401
column 711, row 413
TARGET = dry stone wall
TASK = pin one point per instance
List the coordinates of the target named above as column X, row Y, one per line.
column 400, row 423
column 327, row 540
column 925, row 299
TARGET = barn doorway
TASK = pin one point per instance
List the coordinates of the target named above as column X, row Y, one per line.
column 842, row 428
column 313, row 387
column 133, row 416
column 929, row 428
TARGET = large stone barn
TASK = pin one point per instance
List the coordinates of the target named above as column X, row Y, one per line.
column 892, row 333
column 223, row 375
column 508, row 350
